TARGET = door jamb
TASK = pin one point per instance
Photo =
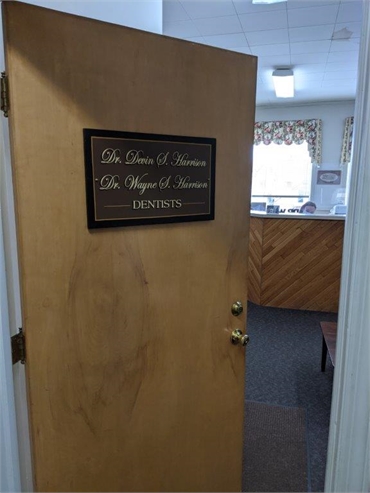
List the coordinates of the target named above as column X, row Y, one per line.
column 349, row 437
column 11, row 313
column 9, row 459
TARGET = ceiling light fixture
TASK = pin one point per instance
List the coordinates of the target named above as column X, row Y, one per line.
column 267, row 1
column 283, row 79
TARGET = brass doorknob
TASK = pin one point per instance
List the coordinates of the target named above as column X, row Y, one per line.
column 236, row 308
column 237, row 337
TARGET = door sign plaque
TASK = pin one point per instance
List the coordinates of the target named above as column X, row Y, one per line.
column 135, row 178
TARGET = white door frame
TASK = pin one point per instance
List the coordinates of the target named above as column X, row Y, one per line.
column 9, row 459
column 349, row 440
column 16, row 442
column 348, row 464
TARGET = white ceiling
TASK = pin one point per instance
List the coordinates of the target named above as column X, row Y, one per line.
column 318, row 39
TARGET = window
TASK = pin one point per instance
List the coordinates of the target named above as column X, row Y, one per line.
column 281, row 174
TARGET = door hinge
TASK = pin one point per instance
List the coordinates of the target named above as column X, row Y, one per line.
column 18, row 348
column 4, row 94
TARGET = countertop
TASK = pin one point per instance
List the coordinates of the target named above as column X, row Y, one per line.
column 297, row 215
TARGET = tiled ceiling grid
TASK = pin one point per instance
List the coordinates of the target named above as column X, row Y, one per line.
column 318, row 39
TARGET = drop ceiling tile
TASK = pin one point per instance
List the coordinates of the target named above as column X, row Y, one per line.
column 261, row 88
column 341, row 75
column 218, row 25
column 313, row 16
column 328, row 94
column 267, row 81
column 343, row 84
column 279, row 36
column 265, row 75
column 305, row 97
column 294, row 4
column 271, row 50
column 342, row 56
column 270, row 43
column 174, row 11
column 303, row 77
column 311, row 33
column 263, row 91
column 341, row 66
column 309, row 58
column 243, row 49
column 226, row 40
column 196, row 39
column 353, row 27
column 246, row 7
column 263, row 99
column 264, row 22
column 307, row 84
column 180, row 29
column 273, row 62
column 345, row 45
column 311, row 67
column 350, row 12
column 208, row 8
column 310, row 47
column 266, row 97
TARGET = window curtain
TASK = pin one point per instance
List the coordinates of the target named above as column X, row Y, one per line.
column 289, row 132
column 345, row 156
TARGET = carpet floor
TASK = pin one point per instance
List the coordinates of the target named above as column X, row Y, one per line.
column 283, row 369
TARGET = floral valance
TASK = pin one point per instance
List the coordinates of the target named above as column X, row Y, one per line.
column 289, row 132
column 345, row 156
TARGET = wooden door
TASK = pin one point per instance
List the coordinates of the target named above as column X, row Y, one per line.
column 133, row 383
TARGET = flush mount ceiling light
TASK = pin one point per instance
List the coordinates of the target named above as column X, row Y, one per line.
column 267, row 1
column 283, row 79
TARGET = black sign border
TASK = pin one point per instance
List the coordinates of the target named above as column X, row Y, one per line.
column 92, row 223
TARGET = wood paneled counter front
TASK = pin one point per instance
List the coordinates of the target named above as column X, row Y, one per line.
column 295, row 260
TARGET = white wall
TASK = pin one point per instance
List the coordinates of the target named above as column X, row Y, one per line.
column 143, row 14
column 333, row 116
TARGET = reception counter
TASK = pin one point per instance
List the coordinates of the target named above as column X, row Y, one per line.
column 295, row 260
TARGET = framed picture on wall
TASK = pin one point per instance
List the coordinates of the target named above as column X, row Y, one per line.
column 332, row 177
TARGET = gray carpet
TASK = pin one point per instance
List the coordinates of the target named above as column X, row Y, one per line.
column 275, row 448
column 283, row 369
